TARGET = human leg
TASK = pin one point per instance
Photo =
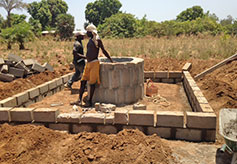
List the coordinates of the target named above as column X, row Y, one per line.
column 76, row 75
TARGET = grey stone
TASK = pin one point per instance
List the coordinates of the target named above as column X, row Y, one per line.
column 29, row 62
column 48, row 67
column 37, row 67
column 4, row 69
column 15, row 58
column 6, row 77
column 16, row 72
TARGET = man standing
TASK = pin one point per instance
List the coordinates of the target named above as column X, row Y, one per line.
column 78, row 59
column 92, row 69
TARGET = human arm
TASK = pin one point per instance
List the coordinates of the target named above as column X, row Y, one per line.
column 100, row 44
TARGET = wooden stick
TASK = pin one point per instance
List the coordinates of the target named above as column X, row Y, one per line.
column 233, row 57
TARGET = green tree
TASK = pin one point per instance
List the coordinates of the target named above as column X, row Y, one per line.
column 1, row 21
column 19, row 33
column 229, row 20
column 9, row 5
column 46, row 11
column 119, row 25
column 65, row 26
column 190, row 14
column 97, row 11
column 7, row 36
column 16, row 19
column 36, row 26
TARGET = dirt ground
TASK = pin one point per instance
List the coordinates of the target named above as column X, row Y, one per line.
column 29, row 144
column 170, row 97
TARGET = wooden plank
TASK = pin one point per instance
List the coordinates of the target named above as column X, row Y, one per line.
column 234, row 57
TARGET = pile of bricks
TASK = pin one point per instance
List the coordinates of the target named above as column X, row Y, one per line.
column 15, row 67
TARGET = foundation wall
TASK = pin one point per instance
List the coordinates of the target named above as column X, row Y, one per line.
column 36, row 94
column 199, row 125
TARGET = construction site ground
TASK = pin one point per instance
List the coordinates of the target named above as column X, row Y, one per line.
column 37, row 144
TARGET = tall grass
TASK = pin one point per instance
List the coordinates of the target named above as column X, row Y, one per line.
column 47, row 49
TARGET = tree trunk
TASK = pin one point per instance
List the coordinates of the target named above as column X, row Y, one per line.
column 21, row 46
column 8, row 19
column 9, row 46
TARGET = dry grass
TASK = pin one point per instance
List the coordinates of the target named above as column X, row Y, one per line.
column 46, row 49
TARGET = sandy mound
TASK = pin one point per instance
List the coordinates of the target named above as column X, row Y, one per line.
column 36, row 144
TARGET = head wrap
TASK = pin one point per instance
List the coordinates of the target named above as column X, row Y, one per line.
column 91, row 28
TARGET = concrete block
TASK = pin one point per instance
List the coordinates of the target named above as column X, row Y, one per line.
column 114, row 79
column 15, row 58
column 201, row 120
column 16, row 72
column 52, row 84
column 109, row 119
column 174, row 74
column 120, row 95
column 2, row 61
column 28, row 103
column 21, row 65
column 6, row 77
column 210, row 135
column 139, row 107
column 59, row 82
column 161, row 74
column 78, row 128
column 188, row 134
column 34, row 92
column 22, row 98
column 29, row 62
column 104, row 75
column 170, row 119
column 65, row 78
column 37, row 67
column 129, row 96
column 125, row 79
column 149, row 74
column 96, row 118
column 121, row 117
column 48, row 67
column 43, row 88
column 141, row 117
column 4, row 69
column 9, row 62
column 60, row 127
column 187, row 67
column 21, row 114
column 107, row 108
column 170, row 81
column 198, row 93
column 9, row 102
column 206, row 108
column 202, row 100
column 162, row 132
column 107, row 129
column 45, row 114
column 68, row 117
column 5, row 114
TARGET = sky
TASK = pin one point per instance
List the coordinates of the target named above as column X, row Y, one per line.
column 156, row 10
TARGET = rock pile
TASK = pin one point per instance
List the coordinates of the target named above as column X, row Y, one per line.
column 15, row 67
